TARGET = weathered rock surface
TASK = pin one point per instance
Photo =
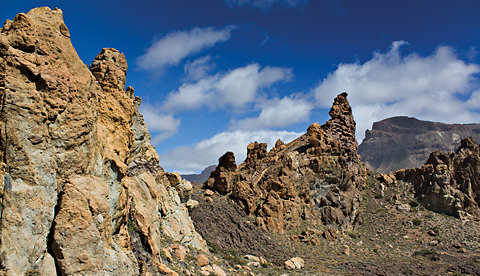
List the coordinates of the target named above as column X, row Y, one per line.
column 81, row 188
column 402, row 142
column 449, row 182
column 316, row 177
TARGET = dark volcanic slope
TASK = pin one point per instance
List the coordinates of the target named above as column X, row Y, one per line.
column 404, row 142
column 202, row 177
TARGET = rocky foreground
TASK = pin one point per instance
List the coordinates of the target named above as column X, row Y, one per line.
column 83, row 193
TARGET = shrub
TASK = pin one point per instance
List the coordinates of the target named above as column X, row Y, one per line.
column 423, row 252
column 413, row 203
column 352, row 234
column 32, row 272
column 417, row 222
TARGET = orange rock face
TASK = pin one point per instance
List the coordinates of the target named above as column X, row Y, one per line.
column 81, row 186
column 317, row 177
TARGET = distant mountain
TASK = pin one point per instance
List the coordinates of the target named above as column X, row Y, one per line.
column 202, row 177
column 404, row 142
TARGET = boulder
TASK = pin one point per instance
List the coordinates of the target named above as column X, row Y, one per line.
column 202, row 260
column 295, row 263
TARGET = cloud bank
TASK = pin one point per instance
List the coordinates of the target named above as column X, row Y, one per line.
column 437, row 87
column 199, row 68
column 278, row 113
column 157, row 121
column 208, row 151
column 177, row 45
column 235, row 88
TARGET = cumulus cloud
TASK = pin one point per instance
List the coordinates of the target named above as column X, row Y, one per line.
column 278, row 113
column 234, row 88
column 199, row 68
column 160, row 125
column 392, row 84
column 177, row 45
column 208, row 151
column 264, row 4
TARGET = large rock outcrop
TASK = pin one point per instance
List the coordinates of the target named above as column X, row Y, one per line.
column 449, row 182
column 403, row 142
column 81, row 188
column 316, row 177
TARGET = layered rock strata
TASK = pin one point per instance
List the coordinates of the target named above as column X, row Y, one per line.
column 403, row 142
column 316, row 178
column 449, row 182
column 82, row 191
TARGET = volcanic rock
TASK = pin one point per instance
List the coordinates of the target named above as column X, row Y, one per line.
column 82, row 190
column 404, row 142
column 316, row 178
column 449, row 182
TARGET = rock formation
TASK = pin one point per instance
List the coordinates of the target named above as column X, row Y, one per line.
column 316, row 178
column 402, row 142
column 449, row 182
column 82, row 192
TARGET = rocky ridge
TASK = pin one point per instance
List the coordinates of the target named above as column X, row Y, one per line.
column 315, row 178
column 82, row 191
column 404, row 142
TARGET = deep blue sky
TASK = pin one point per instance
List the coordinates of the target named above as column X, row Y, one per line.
column 217, row 74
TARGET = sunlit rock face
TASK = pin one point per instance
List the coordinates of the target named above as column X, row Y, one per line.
column 449, row 182
column 82, row 190
column 316, row 178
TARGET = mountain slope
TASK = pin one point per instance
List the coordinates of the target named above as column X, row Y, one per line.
column 403, row 142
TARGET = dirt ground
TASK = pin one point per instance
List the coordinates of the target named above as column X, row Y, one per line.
column 389, row 241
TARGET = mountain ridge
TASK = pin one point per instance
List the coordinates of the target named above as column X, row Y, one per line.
column 406, row 142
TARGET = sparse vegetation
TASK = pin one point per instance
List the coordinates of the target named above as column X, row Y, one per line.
column 417, row 222
column 352, row 234
column 423, row 252
column 32, row 272
column 413, row 203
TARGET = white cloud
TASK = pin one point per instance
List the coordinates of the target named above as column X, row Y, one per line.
column 208, row 151
column 278, row 113
column 176, row 45
column 163, row 124
column 234, row 88
column 264, row 4
column 390, row 84
column 199, row 68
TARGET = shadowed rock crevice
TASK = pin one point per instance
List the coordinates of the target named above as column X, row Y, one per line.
column 52, row 247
